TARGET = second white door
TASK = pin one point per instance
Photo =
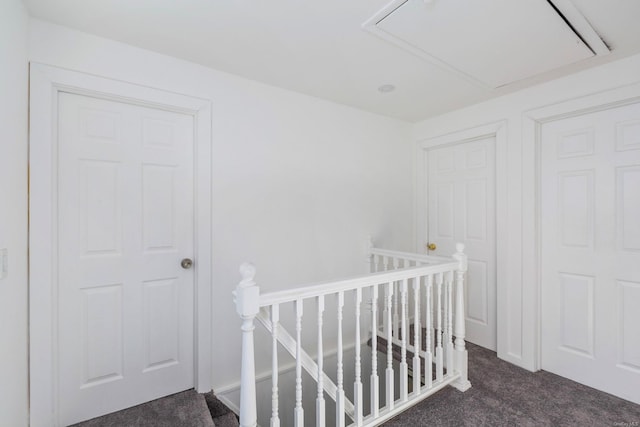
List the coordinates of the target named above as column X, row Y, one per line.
column 125, row 220
column 590, row 254
column 461, row 208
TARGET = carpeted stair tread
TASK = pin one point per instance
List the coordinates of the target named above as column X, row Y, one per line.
column 221, row 414
column 184, row 409
column 227, row 420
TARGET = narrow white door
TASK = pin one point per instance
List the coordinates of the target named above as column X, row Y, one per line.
column 125, row 221
column 590, row 249
column 461, row 208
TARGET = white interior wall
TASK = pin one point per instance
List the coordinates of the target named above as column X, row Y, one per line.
column 14, row 23
column 298, row 182
column 517, row 328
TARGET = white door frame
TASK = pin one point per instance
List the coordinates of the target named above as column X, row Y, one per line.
column 532, row 122
column 497, row 130
column 46, row 83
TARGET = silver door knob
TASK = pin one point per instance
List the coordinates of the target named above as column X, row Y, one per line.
column 186, row 263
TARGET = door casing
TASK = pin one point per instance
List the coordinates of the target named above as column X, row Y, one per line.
column 46, row 82
column 532, row 122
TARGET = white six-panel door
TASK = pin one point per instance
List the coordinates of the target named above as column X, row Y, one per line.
column 461, row 208
column 590, row 249
column 125, row 220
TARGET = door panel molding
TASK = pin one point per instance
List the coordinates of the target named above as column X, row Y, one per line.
column 497, row 130
column 46, row 83
column 582, row 262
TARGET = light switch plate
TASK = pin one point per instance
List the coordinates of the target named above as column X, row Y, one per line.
column 3, row 263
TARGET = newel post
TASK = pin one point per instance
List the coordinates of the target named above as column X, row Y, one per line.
column 369, row 254
column 247, row 299
column 460, row 352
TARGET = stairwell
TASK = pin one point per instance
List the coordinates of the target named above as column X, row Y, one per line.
column 184, row 409
column 396, row 351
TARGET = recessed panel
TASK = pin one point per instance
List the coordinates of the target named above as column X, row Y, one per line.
column 628, row 135
column 575, row 144
column 445, row 209
column 100, row 214
column 628, row 208
column 477, row 292
column 629, row 325
column 161, row 323
column 475, row 158
column 445, row 161
column 102, row 335
column 157, row 133
column 476, row 210
column 101, row 124
column 575, row 203
column 158, row 207
column 576, row 313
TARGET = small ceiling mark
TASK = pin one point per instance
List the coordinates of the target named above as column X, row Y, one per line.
column 386, row 88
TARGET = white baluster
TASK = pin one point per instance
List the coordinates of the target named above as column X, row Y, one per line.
column 299, row 411
column 428, row 357
column 386, row 326
column 275, row 322
column 396, row 323
column 340, row 391
column 449, row 335
column 375, row 381
column 320, row 418
column 445, row 318
column 439, row 373
column 404, row 372
column 389, row 371
column 357, row 385
column 370, row 256
column 247, row 298
column 417, row 332
column 461, row 357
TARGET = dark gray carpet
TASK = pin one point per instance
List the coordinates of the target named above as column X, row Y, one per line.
column 504, row 395
column 221, row 414
column 185, row 409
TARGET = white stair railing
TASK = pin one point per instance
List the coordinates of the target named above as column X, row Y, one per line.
column 401, row 279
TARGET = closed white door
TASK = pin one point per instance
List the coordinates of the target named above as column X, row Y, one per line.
column 590, row 249
column 461, row 208
column 124, row 222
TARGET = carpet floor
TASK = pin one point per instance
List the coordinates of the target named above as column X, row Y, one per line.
column 504, row 395
column 185, row 409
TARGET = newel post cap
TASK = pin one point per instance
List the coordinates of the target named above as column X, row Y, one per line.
column 369, row 247
column 247, row 294
column 461, row 257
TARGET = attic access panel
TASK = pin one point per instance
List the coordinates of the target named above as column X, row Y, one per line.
column 493, row 42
